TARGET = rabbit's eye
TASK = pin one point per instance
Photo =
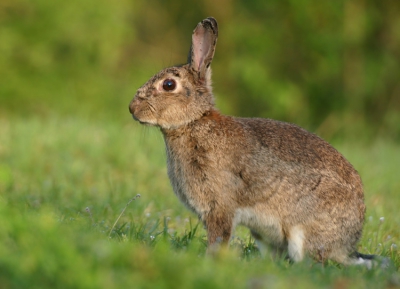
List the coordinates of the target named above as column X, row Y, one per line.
column 169, row 84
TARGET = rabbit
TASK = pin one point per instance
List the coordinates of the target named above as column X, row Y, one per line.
column 294, row 191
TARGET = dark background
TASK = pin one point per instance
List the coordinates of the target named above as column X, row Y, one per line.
column 330, row 66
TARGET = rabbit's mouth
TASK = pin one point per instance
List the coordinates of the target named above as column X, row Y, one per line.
column 141, row 121
column 134, row 113
column 135, row 118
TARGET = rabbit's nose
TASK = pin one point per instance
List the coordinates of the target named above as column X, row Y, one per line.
column 131, row 106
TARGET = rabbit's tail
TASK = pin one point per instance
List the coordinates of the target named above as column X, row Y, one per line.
column 370, row 261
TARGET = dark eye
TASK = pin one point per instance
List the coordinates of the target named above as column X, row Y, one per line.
column 169, row 84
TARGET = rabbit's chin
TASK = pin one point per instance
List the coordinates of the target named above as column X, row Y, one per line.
column 165, row 126
column 142, row 121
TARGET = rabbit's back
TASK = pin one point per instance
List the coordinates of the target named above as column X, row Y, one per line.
column 294, row 147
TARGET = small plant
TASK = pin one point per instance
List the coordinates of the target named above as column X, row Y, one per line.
column 123, row 211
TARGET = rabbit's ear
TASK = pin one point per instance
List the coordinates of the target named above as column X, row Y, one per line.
column 204, row 40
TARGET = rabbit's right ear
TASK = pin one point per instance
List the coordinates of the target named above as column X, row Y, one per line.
column 204, row 40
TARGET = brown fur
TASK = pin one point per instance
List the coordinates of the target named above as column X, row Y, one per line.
column 290, row 187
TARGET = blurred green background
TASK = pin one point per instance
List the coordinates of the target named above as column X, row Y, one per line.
column 71, row 157
column 330, row 66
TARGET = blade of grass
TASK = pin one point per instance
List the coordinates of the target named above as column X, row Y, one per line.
column 123, row 211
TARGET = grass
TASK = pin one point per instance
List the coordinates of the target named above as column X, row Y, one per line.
column 70, row 216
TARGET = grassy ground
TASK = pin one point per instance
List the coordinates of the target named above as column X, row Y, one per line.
column 71, row 217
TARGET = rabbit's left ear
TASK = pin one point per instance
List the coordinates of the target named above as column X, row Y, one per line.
column 204, row 40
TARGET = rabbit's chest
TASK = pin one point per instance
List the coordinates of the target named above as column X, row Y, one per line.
column 196, row 178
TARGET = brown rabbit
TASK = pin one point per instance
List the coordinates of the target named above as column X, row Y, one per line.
column 292, row 189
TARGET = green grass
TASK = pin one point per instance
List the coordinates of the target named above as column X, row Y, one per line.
column 67, row 218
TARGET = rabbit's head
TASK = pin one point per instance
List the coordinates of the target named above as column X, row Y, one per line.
column 179, row 95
